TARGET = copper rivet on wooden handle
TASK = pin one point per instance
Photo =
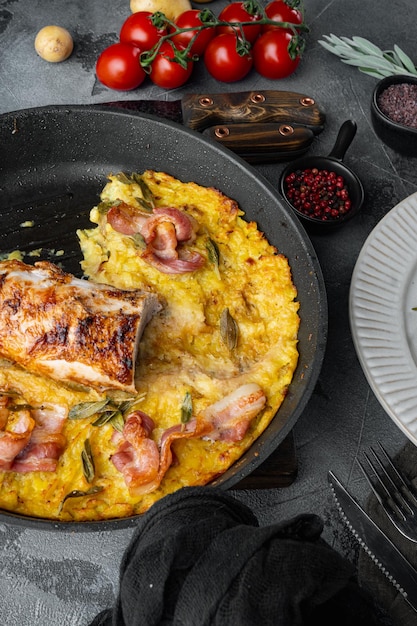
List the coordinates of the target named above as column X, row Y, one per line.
column 221, row 132
column 205, row 101
column 286, row 129
column 307, row 102
column 256, row 98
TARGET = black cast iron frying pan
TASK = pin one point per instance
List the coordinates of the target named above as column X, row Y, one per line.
column 53, row 164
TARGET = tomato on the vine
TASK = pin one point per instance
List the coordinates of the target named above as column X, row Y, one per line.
column 118, row 67
column 227, row 59
column 280, row 11
column 139, row 30
column 237, row 12
column 168, row 73
column 271, row 56
column 191, row 19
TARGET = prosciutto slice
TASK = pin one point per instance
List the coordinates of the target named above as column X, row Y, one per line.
column 71, row 330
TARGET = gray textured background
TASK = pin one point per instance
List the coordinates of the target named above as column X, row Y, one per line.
column 64, row 579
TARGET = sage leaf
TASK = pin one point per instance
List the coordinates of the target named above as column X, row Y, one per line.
column 186, row 408
column 123, row 178
column 146, row 192
column 76, row 493
column 104, row 417
column 117, row 421
column 146, row 206
column 229, row 330
column 126, row 405
column 213, row 254
column 87, row 409
column 88, row 462
column 139, row 241
column 364, row 45
column 404, row 59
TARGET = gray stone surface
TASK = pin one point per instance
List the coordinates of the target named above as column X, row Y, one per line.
column 62, row 578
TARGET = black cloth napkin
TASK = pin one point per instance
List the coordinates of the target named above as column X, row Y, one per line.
column 199, row 557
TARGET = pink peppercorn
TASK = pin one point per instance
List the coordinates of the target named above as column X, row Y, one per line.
column 320, row 194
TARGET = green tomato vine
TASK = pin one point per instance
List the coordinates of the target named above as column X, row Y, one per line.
column 209, row 20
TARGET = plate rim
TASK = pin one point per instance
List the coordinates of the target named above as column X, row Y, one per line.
column 374, row 350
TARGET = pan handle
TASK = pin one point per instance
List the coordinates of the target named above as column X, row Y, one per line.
column 344, row 138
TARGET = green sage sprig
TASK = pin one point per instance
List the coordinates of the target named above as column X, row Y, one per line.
column 369, row 58
column 107, row 411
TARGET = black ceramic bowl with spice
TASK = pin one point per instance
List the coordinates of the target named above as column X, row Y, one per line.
column 394, row 112
column 333, row 190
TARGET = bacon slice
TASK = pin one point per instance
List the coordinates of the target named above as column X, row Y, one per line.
column 72, row 330
column 139, row 458
column 126, row 219
column 229, row 418
column 179, row 431
column 144, row 463
column 31, row 439
column 15, row 434
column 185, row 226
column 192, row 262
column 4, row 411
column 46, row 443
column 165, row 232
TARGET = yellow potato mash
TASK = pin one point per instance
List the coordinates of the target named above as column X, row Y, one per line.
column 233, row 321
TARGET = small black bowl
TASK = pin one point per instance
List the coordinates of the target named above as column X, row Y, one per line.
column 402, row 139
column 332, row 162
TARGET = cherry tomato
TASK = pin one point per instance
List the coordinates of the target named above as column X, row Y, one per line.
column 280, row 11
column 139, row 31
column 191, row 19
column 118, row 67
column 223, row 60
column 270, row 54
column 236, row 12
column 167, row 73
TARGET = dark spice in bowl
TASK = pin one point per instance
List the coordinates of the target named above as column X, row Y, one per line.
column 400, row 98
column 399, row 103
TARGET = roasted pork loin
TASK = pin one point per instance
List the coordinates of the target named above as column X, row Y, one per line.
column 69, row 329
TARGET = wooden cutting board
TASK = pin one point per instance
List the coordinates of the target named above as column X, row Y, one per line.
column 279, row 469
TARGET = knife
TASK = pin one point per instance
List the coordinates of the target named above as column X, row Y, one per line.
column 260, row 126
column 376, row 544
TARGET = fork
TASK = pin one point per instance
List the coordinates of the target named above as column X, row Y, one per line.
column 394, row 491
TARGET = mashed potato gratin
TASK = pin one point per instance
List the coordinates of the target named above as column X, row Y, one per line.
column 213, row 367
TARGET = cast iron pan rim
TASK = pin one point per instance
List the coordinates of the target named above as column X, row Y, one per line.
column 267, row 442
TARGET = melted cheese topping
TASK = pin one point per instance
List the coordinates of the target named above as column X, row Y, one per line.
column 182, row 351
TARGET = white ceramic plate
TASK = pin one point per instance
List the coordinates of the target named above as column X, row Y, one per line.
column 384, row 325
